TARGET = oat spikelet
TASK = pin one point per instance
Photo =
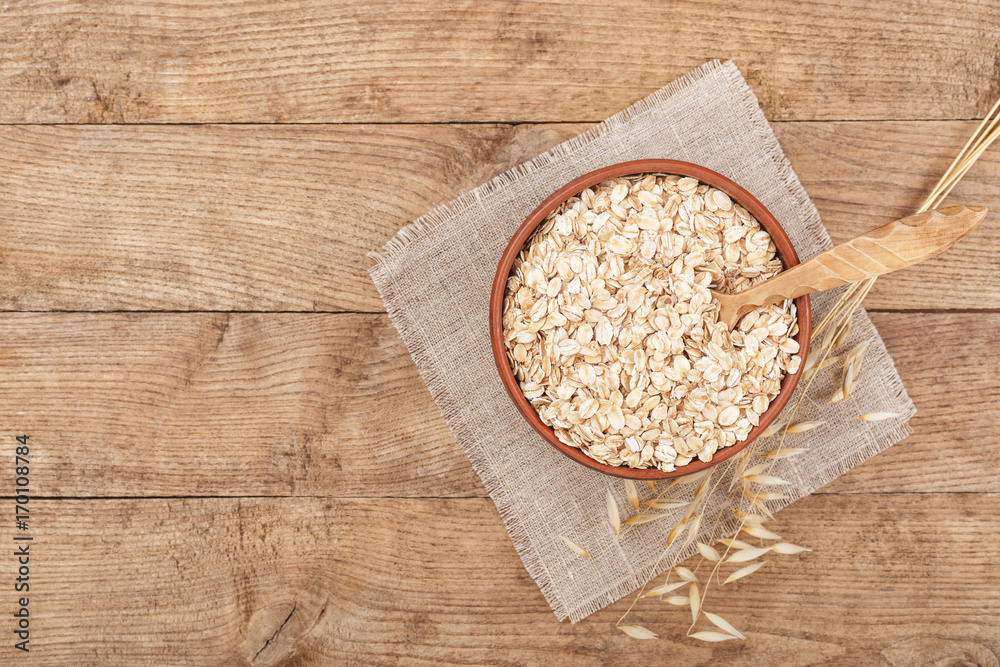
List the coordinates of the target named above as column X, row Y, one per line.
column 693, row 529
column 829, row 361
column 744, row 572
column 640, row 519
column 735, row 544
column 748, row 518
column 686, row 574
column 842, row 335
column 852, row 366
column 877, row 416
column 675, row 532
column 699, row 495
column 691, row 508
column 828, row 338
column 637, row 631
column 709, row 636
column 664, row 589
column 772, row 429
column 737, row 470
column 802, row 427
column 632, row 493
column 693, row 478
column 850, row 376
column 742, row 460
column 759, row 504
column 743, row 555
column 575, row 547
column 787, row 548
column 814, row 363
column 651, row 484
column 756, row 470
column 783, row 453
column 808, row 374
column 771, row 496
column 679, row 600
column 695, row 601
column 723, row 624
column 613, row 516
column 814, row 356
column 767, row 480
column 709, row 553
column 858, row 352
column 664, row 504
column 761, row 532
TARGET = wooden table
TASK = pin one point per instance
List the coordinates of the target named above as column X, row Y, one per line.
column 232, row 457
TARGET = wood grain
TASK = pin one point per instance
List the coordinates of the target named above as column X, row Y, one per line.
column 222, row 218
column 432, row 581
column 213, row 404
column 176, row 404
column 267, row 218
column 310, row 61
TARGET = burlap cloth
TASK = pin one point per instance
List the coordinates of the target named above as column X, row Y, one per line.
column 435, row 279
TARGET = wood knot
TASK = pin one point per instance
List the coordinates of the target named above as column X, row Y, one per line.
column 273, row 631
column 940, row 652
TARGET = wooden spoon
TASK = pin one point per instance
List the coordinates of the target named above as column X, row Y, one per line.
column 888, row 248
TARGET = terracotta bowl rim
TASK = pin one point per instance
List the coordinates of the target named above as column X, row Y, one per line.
column 786, row 252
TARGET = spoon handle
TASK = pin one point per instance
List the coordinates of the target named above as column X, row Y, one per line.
column 890, row 247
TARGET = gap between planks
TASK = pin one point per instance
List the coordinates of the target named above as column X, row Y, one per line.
column 838, row 494
column 906, row 311
column 511, row 123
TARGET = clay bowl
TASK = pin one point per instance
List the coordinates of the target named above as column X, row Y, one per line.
column 785, row 252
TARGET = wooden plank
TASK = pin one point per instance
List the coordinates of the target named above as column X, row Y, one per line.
column 225, row 217
column 212, row 404
column 893, row 580
column 281, row 218
column 304, row 404
column 294, row 61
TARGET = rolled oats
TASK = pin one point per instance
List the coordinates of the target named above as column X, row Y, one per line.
column 612, row 333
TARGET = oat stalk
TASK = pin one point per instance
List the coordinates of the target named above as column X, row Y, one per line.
column 833, row 328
